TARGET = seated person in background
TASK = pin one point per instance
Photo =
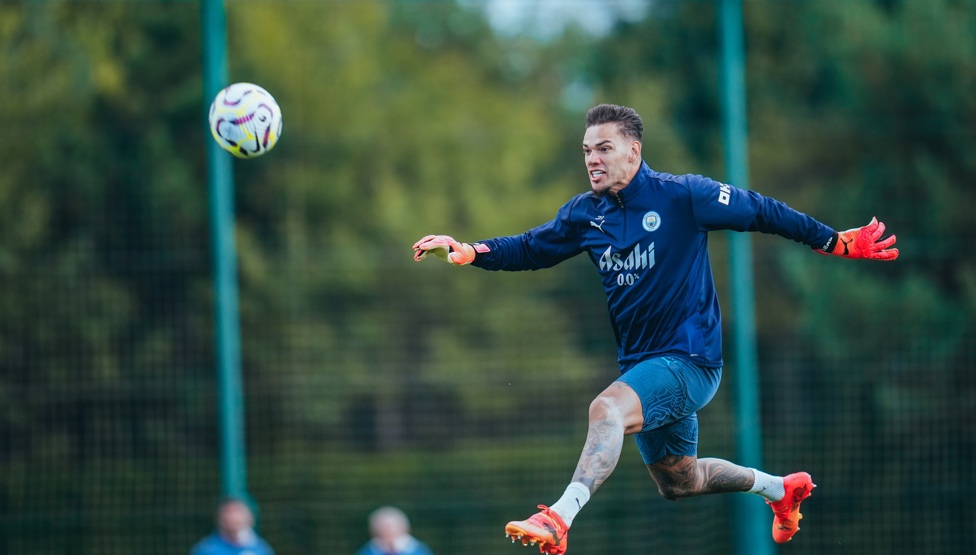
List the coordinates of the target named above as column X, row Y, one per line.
column 235, row 533
column 391, row 535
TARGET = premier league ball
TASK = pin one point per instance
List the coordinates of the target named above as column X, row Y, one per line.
column 245, row 120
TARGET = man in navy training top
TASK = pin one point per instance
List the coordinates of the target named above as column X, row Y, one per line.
column 235, row 533
column 647, row 232
column 390, row 531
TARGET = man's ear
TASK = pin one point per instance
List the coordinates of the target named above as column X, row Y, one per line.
column 635, row 152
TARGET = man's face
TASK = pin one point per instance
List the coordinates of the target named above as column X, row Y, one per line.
column 388, row 530
column 235, row 521
column 612, row 159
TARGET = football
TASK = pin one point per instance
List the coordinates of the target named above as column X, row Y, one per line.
column 245, row 120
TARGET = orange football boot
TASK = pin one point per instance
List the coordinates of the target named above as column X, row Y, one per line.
column 786, row 511
column 545, row 529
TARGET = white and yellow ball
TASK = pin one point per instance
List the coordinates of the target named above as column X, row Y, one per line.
column 245, row 120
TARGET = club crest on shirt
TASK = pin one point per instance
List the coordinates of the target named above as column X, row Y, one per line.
column 651, row 221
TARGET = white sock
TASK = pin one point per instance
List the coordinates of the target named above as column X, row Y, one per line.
column 571, row 502
column 769, row 487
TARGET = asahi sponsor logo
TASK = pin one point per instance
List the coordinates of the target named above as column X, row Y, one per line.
column 640, row 258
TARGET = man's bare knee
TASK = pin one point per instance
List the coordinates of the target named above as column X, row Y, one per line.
column 617, row 405
column 674, row 491
column 676, row 476
column 604, row 409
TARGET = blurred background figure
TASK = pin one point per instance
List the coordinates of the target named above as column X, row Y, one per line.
column 390, row 530
column 235, row 533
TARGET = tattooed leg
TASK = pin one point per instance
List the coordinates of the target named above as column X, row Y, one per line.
column 681, row 476
column 613, row 414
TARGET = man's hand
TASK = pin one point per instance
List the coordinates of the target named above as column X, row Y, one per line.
column 445, row 248
column 865, row 242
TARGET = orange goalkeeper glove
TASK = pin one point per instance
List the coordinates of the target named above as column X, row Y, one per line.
column 445, row 248
column 863, row 242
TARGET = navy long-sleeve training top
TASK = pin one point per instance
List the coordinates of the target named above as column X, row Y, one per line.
column 649, row 243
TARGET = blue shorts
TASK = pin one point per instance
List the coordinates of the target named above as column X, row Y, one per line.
column 671, row 390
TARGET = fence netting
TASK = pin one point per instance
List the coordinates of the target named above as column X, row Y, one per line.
column 459, row 395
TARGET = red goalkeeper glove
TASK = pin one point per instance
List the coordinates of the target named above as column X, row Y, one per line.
column 862, row 242
column 445, row 248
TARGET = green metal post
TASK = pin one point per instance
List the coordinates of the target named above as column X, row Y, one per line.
column 220, row 185
column 751, row 518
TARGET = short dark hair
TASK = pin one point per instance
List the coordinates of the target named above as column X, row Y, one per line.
column 628, row 119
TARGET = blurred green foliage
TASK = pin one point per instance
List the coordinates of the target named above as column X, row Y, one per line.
column 458, row 394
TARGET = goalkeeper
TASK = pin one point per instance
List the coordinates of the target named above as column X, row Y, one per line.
column 647, row 234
